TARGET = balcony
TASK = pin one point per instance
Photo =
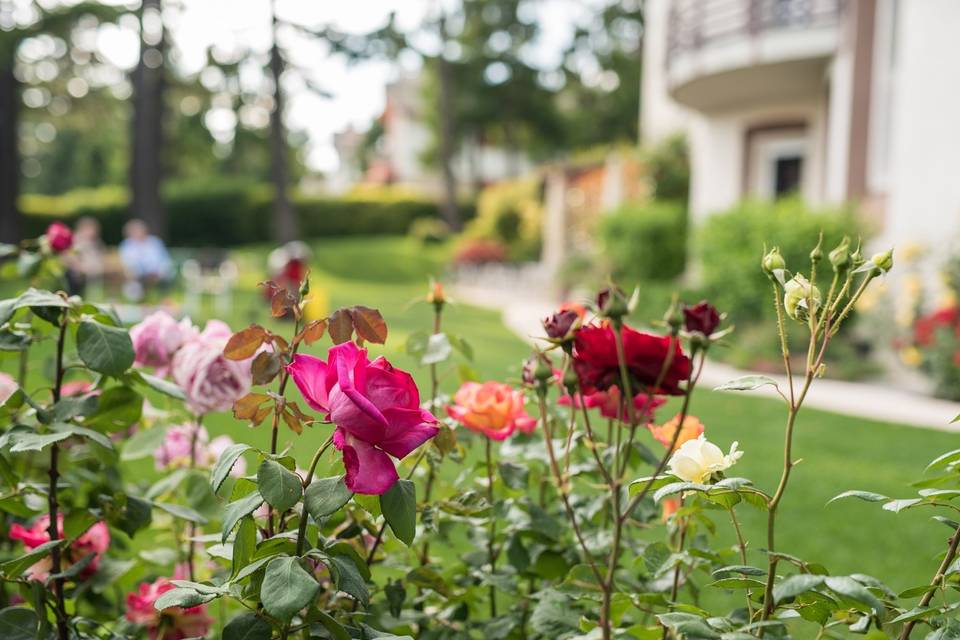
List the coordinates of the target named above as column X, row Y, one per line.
column 722, row 54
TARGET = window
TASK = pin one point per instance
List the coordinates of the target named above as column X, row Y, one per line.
column 787, row 174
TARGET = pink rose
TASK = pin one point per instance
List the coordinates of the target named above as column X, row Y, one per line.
column 611, row 406
column 59, row 237
column 157, row 337
column 7, row 386
column 492, row 409
column 174, row 452
column 95, row 540
column 174, row 623
column 210, row 381
column 376, row 409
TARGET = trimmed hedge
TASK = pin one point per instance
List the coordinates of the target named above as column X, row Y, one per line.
column 646, row 242
column 229, row 213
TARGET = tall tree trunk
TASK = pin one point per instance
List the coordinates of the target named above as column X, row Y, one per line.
column 146, row 164
column 447, row 131
column 285, row 220
column 10, row 222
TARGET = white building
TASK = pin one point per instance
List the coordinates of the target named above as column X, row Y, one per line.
column 844, row 101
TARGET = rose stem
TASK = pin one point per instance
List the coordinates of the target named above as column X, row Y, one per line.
column 491, row 550
column 54, row 530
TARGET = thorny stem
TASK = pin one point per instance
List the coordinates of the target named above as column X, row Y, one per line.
column 53, row 531
column 741, row 543
column 302, row 532
column 937, row 580
column 434, row 407
column 278, row 409
column 192, row 529
column 675, row 589
column 491, row 540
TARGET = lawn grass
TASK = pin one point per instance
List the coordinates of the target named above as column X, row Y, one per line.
column 838, row 452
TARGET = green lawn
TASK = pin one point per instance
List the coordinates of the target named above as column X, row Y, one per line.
column 838, row 453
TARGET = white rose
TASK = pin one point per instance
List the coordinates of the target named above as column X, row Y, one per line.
column 697, row 460
column 801, row 298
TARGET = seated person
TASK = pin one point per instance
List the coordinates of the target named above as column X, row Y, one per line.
column 145, row 259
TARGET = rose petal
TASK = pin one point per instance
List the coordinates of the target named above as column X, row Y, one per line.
column 408, row 429
column 369, row 470
column 310, row 374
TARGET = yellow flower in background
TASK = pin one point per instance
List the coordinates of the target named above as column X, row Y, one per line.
column 911, row 356
column 910, row 251
column 692, row 429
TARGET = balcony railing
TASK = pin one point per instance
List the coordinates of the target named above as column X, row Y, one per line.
column 696, row 24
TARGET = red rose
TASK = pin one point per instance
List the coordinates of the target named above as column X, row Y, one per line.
column 59, row 237
column 595, row 360
column 701, row 318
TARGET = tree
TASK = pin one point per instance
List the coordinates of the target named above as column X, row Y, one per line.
column 59, row 23
column 285, row 221
column 147, row 133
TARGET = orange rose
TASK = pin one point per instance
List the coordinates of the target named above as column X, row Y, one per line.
column 691, row 430
column 493, row 409
column 670, row 506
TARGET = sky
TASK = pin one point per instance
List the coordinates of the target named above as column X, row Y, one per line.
column 356, row 92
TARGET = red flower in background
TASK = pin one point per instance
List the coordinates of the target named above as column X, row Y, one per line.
column 926, row 327
column 595, row 360
column 702, row 317
column 59, row 237
column 94, row 540
column 174, row 623
column 611, row 406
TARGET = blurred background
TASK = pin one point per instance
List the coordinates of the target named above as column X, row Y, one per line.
column 521, row 150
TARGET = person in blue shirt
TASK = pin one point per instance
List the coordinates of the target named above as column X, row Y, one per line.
column 145, row 259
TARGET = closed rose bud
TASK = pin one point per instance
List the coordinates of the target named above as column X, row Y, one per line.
column 570, row 381
column 817, row 254
column 561, row 325
column 612, row 303
column 543, row 372
column 528, row 373
column 673, row 318
column 801, row 299
column 883, row 261
column 436, row 295
column 773, row 262
column 856, row 258
column 840, row 257
column 59, row 237
column 702, row 318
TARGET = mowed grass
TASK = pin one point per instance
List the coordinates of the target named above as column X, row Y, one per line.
column 837, row 452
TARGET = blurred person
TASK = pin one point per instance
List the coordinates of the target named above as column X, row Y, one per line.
column 145, row 259
column 85, row 265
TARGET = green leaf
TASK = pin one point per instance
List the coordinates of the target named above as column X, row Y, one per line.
column 554, row 615
column 850, row 588
column 326, row 496
column 165, row 387
column 280, row 487
column 182, row 597
column 896, row 506
column 244, row 544
column 182, row 512
column 18, row 623
column 334, row 628
column 399, row 506
column 396, row 595
column 514, row 475
column 82, row 432
column 348, row 578
column 237, row 509
column 35, row 441
column 117, row 409
column 438, row 349
column 225, row 464
column 143, row 443
column 746, row 383
column 104, row 349
column 14, row 568
column 794, row 585
column 248, row 626
column 917, row 613
column 427, row 578
column 862, row 495
column 287, row 588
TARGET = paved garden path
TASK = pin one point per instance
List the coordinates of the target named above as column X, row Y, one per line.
column 523, row 314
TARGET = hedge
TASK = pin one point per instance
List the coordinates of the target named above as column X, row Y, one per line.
column 228, row 213
column 646, row 241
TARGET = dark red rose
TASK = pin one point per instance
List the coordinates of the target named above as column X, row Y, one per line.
column 595, row 360
column 60, row 237
column 702, row 317
column 560, row 325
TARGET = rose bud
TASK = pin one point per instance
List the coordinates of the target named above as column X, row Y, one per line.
column 883, row 261
column 773, row 262
column 840, row 257
column 527, row 374
column 436, row 296
column 612, row 303
column 801, row 299
column 701, row 318
column 561, row 325
column 817, row 254
column 59, row 237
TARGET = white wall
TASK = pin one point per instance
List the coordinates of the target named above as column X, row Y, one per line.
column 924, row 177
column 660, row 116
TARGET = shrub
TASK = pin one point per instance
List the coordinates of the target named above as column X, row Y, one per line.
column 231, row 212
column 645, row 242
column 668, row 166
column 731, row 246
column 511, row 213
column 479, row 251
column 429, row 230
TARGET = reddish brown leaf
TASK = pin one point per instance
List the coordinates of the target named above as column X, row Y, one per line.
column 293, row 407
column 281, row 303
column 265, row 367
column 280, row 344
column 369, row 324
column 293, row 422
column 340, row 326
column 313, row 331
column 243, row 344
column 246, row 407
column 261, row 414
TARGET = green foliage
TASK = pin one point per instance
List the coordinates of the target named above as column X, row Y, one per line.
column 731, row 243
column 226, row 212
column 511, row 213
column 668, row 166
column 646, row 242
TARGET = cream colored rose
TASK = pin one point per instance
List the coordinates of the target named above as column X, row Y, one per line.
column 697, row 460
column 801, row 298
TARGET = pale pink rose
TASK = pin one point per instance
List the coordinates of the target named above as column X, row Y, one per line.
column 174, row 451
column 95, row 540
column 210, row 381
column 157, row 337
column 7, row 386
column 174, row 623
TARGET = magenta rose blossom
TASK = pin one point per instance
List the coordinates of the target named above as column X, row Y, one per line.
column 157, row 337
column 210, row 381
column 59, row 237
column 95, row 540
column 173, row 623
column 376, row 409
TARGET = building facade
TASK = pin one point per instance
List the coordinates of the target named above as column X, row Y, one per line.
column 840, row 100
